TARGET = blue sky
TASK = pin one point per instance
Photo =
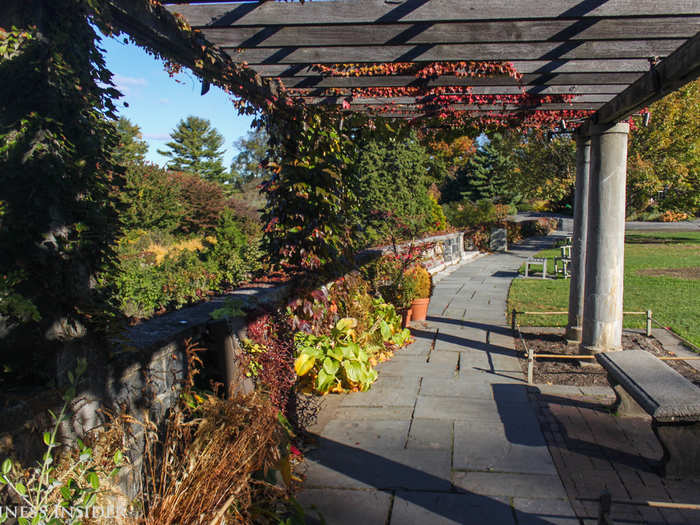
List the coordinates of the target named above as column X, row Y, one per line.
column 157, row 102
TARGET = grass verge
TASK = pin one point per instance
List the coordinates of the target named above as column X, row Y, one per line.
column 674, row 299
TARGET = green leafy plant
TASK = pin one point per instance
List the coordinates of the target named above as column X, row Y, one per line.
column 389, row 324
column 336, row 362
column 232, row 308
column 344, row 359
column 74, row 487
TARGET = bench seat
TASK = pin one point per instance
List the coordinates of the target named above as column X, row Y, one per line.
column 644, row 384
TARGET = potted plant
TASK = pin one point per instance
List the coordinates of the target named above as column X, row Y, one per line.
column 400, row 291
column 421, row 286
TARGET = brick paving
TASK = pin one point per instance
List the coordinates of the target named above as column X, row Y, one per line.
column 594, row 450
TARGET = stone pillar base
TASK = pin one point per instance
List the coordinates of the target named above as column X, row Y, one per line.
column 593, row 350
column 573, row 334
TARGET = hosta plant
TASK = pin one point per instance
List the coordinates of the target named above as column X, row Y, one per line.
column 335, row 362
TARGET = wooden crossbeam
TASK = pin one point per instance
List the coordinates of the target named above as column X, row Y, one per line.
column 453, row 33
column 474, row 107
column 411, row 11
column 582, row 82
column 590, row 50
column 579, row 101
column 610, row 89
column 681, row 67
column 541, row 68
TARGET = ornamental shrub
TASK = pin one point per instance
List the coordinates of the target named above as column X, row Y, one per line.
column 150, row 199
column 421, row 282
column 147, row 282
column 232, row 255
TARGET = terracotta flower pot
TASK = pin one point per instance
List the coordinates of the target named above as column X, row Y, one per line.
column 419, row 309
column 406, row 317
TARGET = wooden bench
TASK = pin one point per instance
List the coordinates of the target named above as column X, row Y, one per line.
column 536, row 261
column 645, row 385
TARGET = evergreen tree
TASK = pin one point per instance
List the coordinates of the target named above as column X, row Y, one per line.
column 196, row 148
column 488, row 173
column 132, row 148
column 391, row 177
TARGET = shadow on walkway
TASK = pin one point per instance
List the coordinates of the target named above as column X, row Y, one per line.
column 426, row 491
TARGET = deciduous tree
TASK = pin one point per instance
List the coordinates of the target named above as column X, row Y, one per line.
column 252, row 152
column 665, row 155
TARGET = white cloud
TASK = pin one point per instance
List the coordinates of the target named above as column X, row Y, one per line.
column 127, row 84
column 156, row 136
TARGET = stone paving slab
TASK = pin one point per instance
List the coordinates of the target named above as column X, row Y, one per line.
column 417, row 368
column 454, row 408
column 392, row 391
column 538, row 511
column 350, row 467
column 507, row 445
column 390, row 413
column 463, row 387
column 368, row 506
column 448, row 434
column 434, row 434
column 423, row 508
column 539, row 486
column 368, row 434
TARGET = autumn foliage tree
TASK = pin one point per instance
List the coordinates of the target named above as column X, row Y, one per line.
column 665, row 155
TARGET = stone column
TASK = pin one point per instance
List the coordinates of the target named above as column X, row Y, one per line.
column 578, row 249
column 602, row 304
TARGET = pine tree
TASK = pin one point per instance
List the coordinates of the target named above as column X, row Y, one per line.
column 132, row 148
column 488, row 173
column 196, row 148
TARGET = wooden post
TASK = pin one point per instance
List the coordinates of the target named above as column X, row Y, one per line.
column 604, row 509
column 648, row 323
column 513, row 324
column 530, row 365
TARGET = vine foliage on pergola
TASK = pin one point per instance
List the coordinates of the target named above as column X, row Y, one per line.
column 314, row 109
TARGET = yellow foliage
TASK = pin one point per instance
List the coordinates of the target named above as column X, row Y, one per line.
column 421, row 277
column 161, row 252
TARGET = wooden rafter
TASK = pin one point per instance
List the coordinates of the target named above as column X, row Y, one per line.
column 412, row 11
column 598, row 50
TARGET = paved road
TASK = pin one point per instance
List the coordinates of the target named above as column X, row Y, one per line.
column 566, row 223
column 447, row 435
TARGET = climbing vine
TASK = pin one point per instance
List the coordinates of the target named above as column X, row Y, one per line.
column 57, row 177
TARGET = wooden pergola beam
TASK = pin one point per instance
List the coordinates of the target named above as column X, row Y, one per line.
column 608, row 90
column 412, row 11
column 583, row 101
column 453, row 33
column 582, row 82
column 585, row 50
column 525, row 67
column 679, row 68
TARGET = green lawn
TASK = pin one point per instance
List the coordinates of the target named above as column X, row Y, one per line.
column 674, row 300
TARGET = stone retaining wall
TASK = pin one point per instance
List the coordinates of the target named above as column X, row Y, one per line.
column 142, row 372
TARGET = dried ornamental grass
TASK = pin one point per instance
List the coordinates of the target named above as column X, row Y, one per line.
column 207, row 465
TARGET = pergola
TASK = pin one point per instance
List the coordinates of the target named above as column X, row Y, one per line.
column 608, row 58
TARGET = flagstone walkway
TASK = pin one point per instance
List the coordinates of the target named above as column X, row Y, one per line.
column 447, row 434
